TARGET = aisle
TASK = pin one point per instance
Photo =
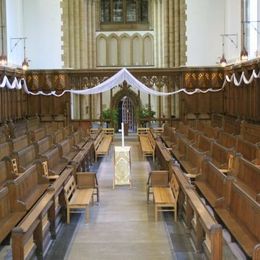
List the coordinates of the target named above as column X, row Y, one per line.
column 122, row 226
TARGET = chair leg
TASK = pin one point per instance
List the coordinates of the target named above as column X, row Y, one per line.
column 87, row 214
column 156, row 213
column 175, row 213
column 68, row 215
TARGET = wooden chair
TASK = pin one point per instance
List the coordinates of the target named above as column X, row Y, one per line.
column 77, row 199
column 166, row 198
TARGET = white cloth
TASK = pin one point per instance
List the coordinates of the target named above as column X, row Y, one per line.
column 119, row 78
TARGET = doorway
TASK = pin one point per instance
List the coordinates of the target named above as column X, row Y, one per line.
column 126, row 113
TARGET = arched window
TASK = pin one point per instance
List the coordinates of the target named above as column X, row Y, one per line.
column 124, row 11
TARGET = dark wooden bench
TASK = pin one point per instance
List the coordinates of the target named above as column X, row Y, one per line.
column 5, row 173
column 56, row 163
column 179, row 150
column 169, row 136
column 44, row 145
column 68, row 151
column 28, row 187
column 32, row 236
column 203, row 144
column 38, row 134
column 231, row 125
column 240, row 214
column 206, row 233
column 166, row 198
column 4, row 133
column 247, row 177
column 250, row 132
column 26, row 157
column 212, row 183
column 33, row 122
column 227, row 140
column 247, row 149
column 20, row 142
column 5, row 150
column 207, row 130
column 221, row 155
column 79, row 139
column 192, row 160
column 9, row 215
column 84, row 158
column 18, row 128
column 162, row 154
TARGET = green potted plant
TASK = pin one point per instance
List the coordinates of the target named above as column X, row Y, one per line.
column 109, row 115
column 145, row 115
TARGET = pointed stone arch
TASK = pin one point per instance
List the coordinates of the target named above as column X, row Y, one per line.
column 126, row 91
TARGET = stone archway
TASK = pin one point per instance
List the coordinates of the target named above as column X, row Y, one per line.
column 127, row 92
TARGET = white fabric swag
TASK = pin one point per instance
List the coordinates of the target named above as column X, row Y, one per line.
column 119, row 78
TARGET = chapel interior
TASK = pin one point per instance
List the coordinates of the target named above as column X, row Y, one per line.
column 142, row 116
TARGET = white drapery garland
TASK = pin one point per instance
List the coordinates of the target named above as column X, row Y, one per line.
column 119, row 78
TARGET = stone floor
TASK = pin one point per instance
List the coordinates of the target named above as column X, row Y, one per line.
column 122, row 225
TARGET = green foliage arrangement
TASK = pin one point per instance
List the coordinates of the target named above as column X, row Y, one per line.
column 145, row 113
column 110, row 115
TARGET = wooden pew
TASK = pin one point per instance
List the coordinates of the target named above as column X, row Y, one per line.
column 58, row 136
column 203, row 144
column 182, row 129
column 4, row 133
column 247, row 177
column 166, row 198
column 247, row 149
column 217, row 120
column 26, row 157
column 5, row 173
column 18, row 128
column 56, row 163
column 162, row 154
column 5, row 150
column 250, row 132
column 9, row 215
column 212, row 183
column 84, row 158
column 33, row 123
column 28, row 187
column 67, row 150
column 78, row 139
column 20, row 142
column 179, row 150
column 226, row 139
column 147, row 143
column 192, row 160
column 169, row 136
column 205, row 231
column 240, row 214
column 33, row 234
column 207, row 130
column 38, row 134
column 44, row 145
column 231, row 125
column 220, row 155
